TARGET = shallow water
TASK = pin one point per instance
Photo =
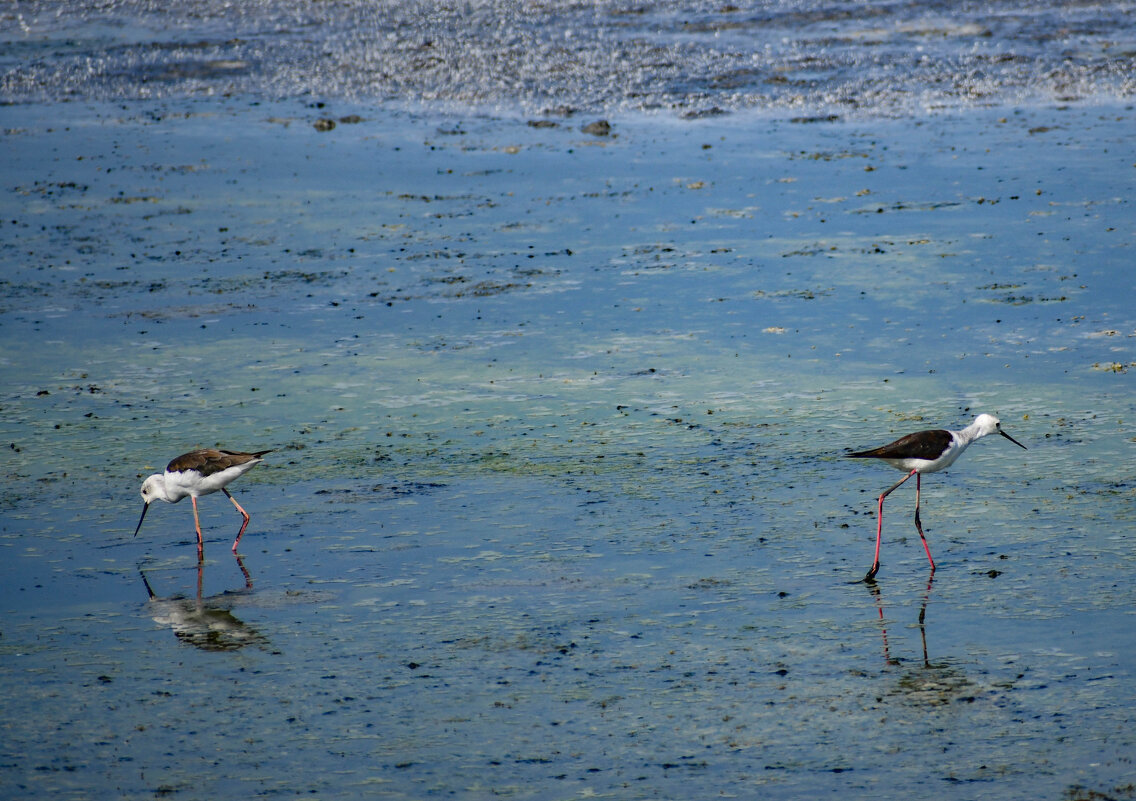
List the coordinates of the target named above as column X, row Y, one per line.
column 558, row 506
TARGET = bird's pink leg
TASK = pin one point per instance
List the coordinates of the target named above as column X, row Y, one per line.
column 919, row 527
column 880, row 524
column 197, row 525
column 244, row 514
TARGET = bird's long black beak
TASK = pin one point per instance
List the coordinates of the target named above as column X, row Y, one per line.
column 145, row 506
column 1000, row 431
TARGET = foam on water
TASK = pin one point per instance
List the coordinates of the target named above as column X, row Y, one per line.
column 695, row 59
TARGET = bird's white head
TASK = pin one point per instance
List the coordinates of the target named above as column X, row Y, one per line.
column 154, row 488
column 986, row 424
column 989, row 424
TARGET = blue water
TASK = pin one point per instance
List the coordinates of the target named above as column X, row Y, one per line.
column 558, row 505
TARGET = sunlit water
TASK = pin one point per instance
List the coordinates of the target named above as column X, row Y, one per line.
column 558, row 506
column 695, row 58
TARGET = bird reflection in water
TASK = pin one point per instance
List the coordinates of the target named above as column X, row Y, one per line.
column 930, row 684
column 874, row 588
column 205, row 622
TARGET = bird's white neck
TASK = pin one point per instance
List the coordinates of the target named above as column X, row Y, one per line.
column 970, row 434
column 163, row 490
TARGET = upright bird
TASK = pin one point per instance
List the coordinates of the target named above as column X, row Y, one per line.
column 199, row 473
column 925, row 452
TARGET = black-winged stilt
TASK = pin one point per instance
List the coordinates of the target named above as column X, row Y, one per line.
column 199, row 473
column 925, row 452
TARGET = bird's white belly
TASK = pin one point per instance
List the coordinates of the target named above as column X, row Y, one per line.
column 907, row 465
column 183, row 484
column 928, row 465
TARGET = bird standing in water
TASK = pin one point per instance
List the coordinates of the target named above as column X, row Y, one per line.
column 199, row 473
column 925, row 452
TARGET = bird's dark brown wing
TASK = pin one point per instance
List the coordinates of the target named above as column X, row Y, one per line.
column 208, row 461
column 920, row 445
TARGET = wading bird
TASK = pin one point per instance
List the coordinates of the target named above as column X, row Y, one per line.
column 199, row 473
column 925, row 452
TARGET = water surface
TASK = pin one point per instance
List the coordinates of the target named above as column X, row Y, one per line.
column 558, row 506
